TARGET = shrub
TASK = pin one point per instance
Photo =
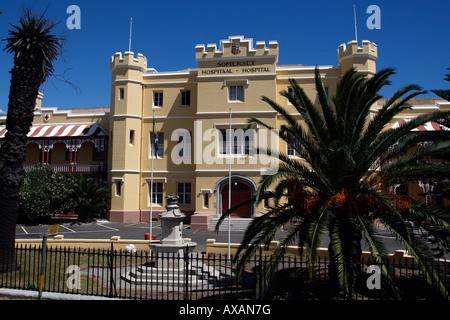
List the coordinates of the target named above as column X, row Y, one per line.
column 44, row 193
column 90, row 197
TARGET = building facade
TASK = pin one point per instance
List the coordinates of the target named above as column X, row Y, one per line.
column 172, row 128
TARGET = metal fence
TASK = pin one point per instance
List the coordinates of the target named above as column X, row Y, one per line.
column 197, row 276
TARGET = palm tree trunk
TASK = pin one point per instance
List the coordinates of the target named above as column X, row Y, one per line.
column 7, row 233
column 352, row 251
column 22, row 99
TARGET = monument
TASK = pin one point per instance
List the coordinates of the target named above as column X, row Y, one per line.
column 170, row 267
column 172, row 243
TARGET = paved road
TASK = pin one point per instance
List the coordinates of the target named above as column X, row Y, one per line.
column 102, row 229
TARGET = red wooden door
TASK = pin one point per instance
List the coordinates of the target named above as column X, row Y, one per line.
column 239, row 193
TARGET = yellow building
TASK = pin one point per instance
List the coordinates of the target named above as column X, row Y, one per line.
column 69, row 140
column 191, row 111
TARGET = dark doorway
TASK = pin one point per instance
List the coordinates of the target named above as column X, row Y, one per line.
column 239, row 192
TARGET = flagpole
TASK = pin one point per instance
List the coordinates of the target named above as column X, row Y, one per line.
column 229, row 189
column 356, row 28
column 129, row 42
column 151, row 182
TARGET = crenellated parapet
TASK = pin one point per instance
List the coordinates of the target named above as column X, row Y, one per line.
column 128, row 60
column 236, row 46
column 352, row 49
column 362, row 58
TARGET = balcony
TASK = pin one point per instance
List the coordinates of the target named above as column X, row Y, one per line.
column 75, row 168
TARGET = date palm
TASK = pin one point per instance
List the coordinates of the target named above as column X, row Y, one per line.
column 34, row 48
column 347, row 158
column 90, row 198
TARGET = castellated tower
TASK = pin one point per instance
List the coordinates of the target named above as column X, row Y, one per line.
column 362, row 58
column 125, row 132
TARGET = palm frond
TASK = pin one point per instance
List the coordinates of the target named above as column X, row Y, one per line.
column 379, row 252
column 33, row 42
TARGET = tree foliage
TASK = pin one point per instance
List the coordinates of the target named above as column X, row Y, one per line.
column 444, row 94
column 338, row 186
column 90, row 197
column 35, row 49
column 44, row 193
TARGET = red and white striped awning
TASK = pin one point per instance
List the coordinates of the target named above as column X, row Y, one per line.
column 62, row 131
column 429, row 126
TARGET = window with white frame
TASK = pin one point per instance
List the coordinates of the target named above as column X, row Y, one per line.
column 160, row 144
column 118, row 186
column 236, row 93
column 157, row 193
column 242, row 141
column 291, row 149
column 184, row 193
column 157, row 99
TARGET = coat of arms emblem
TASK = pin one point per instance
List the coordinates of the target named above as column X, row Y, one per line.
column 235, row 48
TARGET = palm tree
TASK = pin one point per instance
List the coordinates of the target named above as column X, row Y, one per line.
column 90, row 198
column 444, row 94
column 34, row 49
column 339, row 183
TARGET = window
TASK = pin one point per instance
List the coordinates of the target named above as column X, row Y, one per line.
column 291, row 91
column 290, row 148
column 160, row 144
column 184, row 193
column 205, row 200
column 121, row 93
column 236, row 93
column 157, row 196
column 185, row 98
column 118, row 187
column 157, row 99
column 242, row 141
column 291, row 151
column 97, row 155
column 131, row 137
column 266, row 202
column 402, row 190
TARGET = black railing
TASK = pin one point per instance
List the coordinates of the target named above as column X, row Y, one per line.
column 197, row 276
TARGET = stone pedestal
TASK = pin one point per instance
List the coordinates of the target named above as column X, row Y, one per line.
column 172, row 246
column 169, row 254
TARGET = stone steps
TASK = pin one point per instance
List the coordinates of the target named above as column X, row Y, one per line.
column 199, row 275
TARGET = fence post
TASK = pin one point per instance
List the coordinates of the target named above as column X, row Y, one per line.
column 111, row 270
column 43, row 265
column 186, row 264
column 260, row 278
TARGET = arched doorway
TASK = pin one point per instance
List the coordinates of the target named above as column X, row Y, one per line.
column 240, row 191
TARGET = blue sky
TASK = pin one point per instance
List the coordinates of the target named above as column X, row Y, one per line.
column 413, row 38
